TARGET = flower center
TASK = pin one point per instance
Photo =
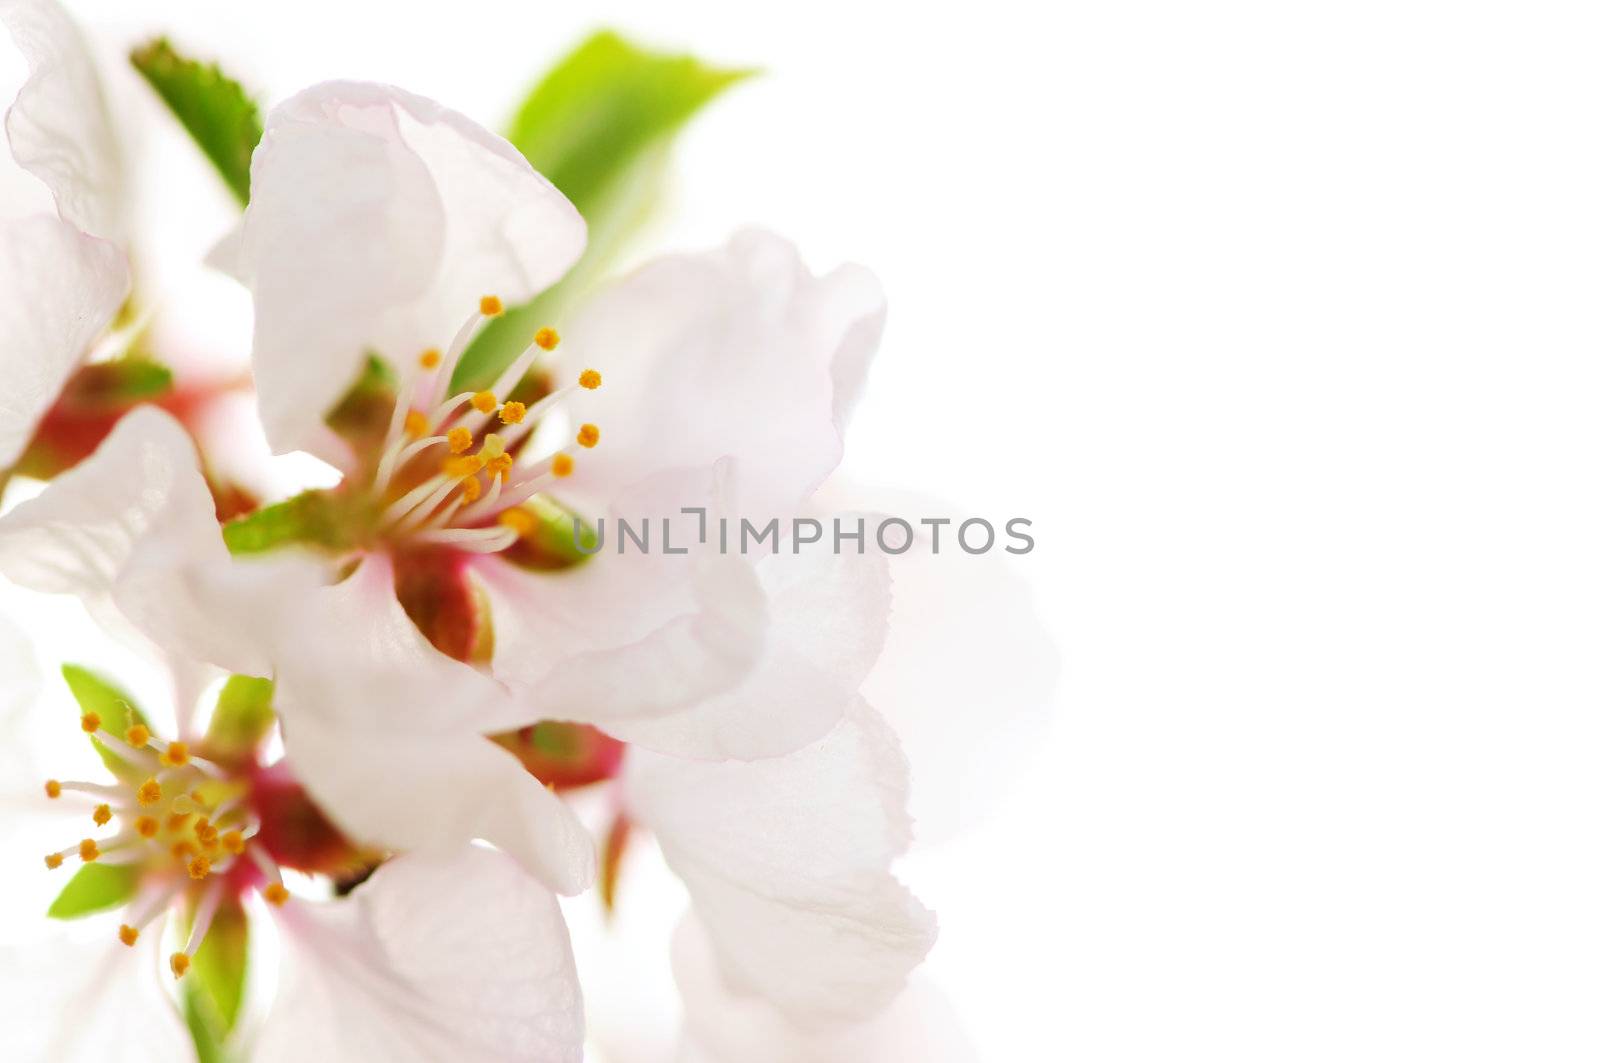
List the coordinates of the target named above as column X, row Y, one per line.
column 451, row 469
column 186, row 825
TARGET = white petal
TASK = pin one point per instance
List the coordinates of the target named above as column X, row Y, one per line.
column 452, row 956
column 827, row 618
column 405, row 790
column 723, row 1027
column 736, row 352
column 85, row 998
column 377, row 220
column 58, row 127
column 59, row 290
column 787, row 861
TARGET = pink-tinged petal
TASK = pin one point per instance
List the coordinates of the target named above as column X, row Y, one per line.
column 405, row 790
column 377, row 220
column 59, row 290
column 827, row 615
column 58, row 127
column 453, row 955
column 86, row 998
column 787, row 862
column 739, row 352
column 720, row 1026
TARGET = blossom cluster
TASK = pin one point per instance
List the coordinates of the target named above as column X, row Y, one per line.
column 411, row 710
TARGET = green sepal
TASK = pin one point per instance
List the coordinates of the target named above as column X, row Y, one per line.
column 311, row 518
column 552, row 543
column 218, row 969
column 95, row 888
column 598, row 126
column 361, row 416
column 117, row 712
column 243, row 718
column 216, row 111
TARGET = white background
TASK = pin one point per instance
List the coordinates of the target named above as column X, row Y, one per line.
column 1280, row 321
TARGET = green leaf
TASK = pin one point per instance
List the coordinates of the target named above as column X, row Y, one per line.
column 214, row 108
column 117, row 712
column 242, row 719
column 316, row 518
column 599, row 126
column 95, row 888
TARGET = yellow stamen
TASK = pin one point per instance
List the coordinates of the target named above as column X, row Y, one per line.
column 90, row 722
column 199, row 868
column 180, row 964
column 276, row 894
column 430, row 358
column 176, row 755
column 490, row 306
column 588, row 435
column 182, row 850
column 484, row 401
column 233, row 841
column 561, row 465
column 88, row 850
column 53, row 861
column 177, row 821
column 547, row 338
column 500, row 466
column 463, row 466
column 460, row 440
column 128, row 935
column 471, row 490
column 137, row 736
column 589, row 378
column 205, row 832
column 518, row 519
column 146, row 826
column 52, row 789
column 102, row 815
column 149, row 793
column 513, row 412
column 416, row 424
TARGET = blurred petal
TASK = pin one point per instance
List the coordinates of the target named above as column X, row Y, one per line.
column 89, row 999
column 58, row 127
column 787, row 862
column 723, row 1027
column 736, row 352
column 59, row 290
column 452, row 956
column 377, row 220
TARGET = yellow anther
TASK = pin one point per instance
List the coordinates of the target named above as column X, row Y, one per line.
column 146, row 826
column 460, row 440
column 499, row 466
column 138, row 736
column 90, row 722
column 205, row 832
column 429, row 358
column 519, row 520
column 484, row 401
column 128, row 935
column 177, row 821
column 490, row 306
column 102, row 815
column 182, row 850
column 149, row 793
column 547, row 338
column 176, row 755
column 493, row 447
column 471, row 490
column 276, row 894
column 180, row 964
column 52, row 789
column 589, row 378
column 199, row 868
column 233, row 841
column 416, row 424
column 463, row 466
column 588, row 435
column 53, row 861
column 513, row 412
column 88, row 850
column 561, row 465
